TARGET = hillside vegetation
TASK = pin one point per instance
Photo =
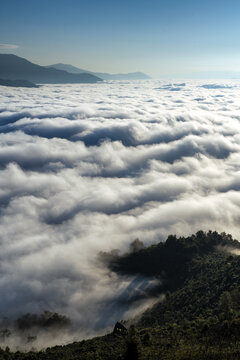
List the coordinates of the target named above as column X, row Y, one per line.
column 199, row 317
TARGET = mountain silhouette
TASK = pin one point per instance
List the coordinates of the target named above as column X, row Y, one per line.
column 13, row 67
column 18, row 83
column 75, row 70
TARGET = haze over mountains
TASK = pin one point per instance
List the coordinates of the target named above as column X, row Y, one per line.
column 105, row 76
column 13, row 67
column 205, row 75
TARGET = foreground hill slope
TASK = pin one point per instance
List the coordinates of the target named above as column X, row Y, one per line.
column 13, row 67
column 198, row 318
column 194, row 272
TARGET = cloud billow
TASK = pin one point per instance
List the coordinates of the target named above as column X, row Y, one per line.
column 85, row 169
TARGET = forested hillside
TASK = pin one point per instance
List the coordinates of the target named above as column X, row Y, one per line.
column 198, row 317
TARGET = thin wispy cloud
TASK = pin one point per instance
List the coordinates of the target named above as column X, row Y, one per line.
column 8, row 46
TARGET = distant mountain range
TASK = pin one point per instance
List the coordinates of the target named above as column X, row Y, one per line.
column 105, row 76
column 13, row 67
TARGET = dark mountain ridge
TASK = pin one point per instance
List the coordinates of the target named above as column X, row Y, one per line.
column 18, row 83
column 13, row 67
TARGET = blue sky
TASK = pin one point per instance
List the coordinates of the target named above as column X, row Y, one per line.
column 154, row 36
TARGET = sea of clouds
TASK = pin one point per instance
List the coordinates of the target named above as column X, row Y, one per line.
column 90, row 168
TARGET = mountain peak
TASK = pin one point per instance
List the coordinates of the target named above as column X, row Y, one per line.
column 13, row 67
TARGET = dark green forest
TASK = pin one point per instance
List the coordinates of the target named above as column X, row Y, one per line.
column 198, row 317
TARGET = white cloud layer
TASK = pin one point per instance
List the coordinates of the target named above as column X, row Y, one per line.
column 89, row 168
